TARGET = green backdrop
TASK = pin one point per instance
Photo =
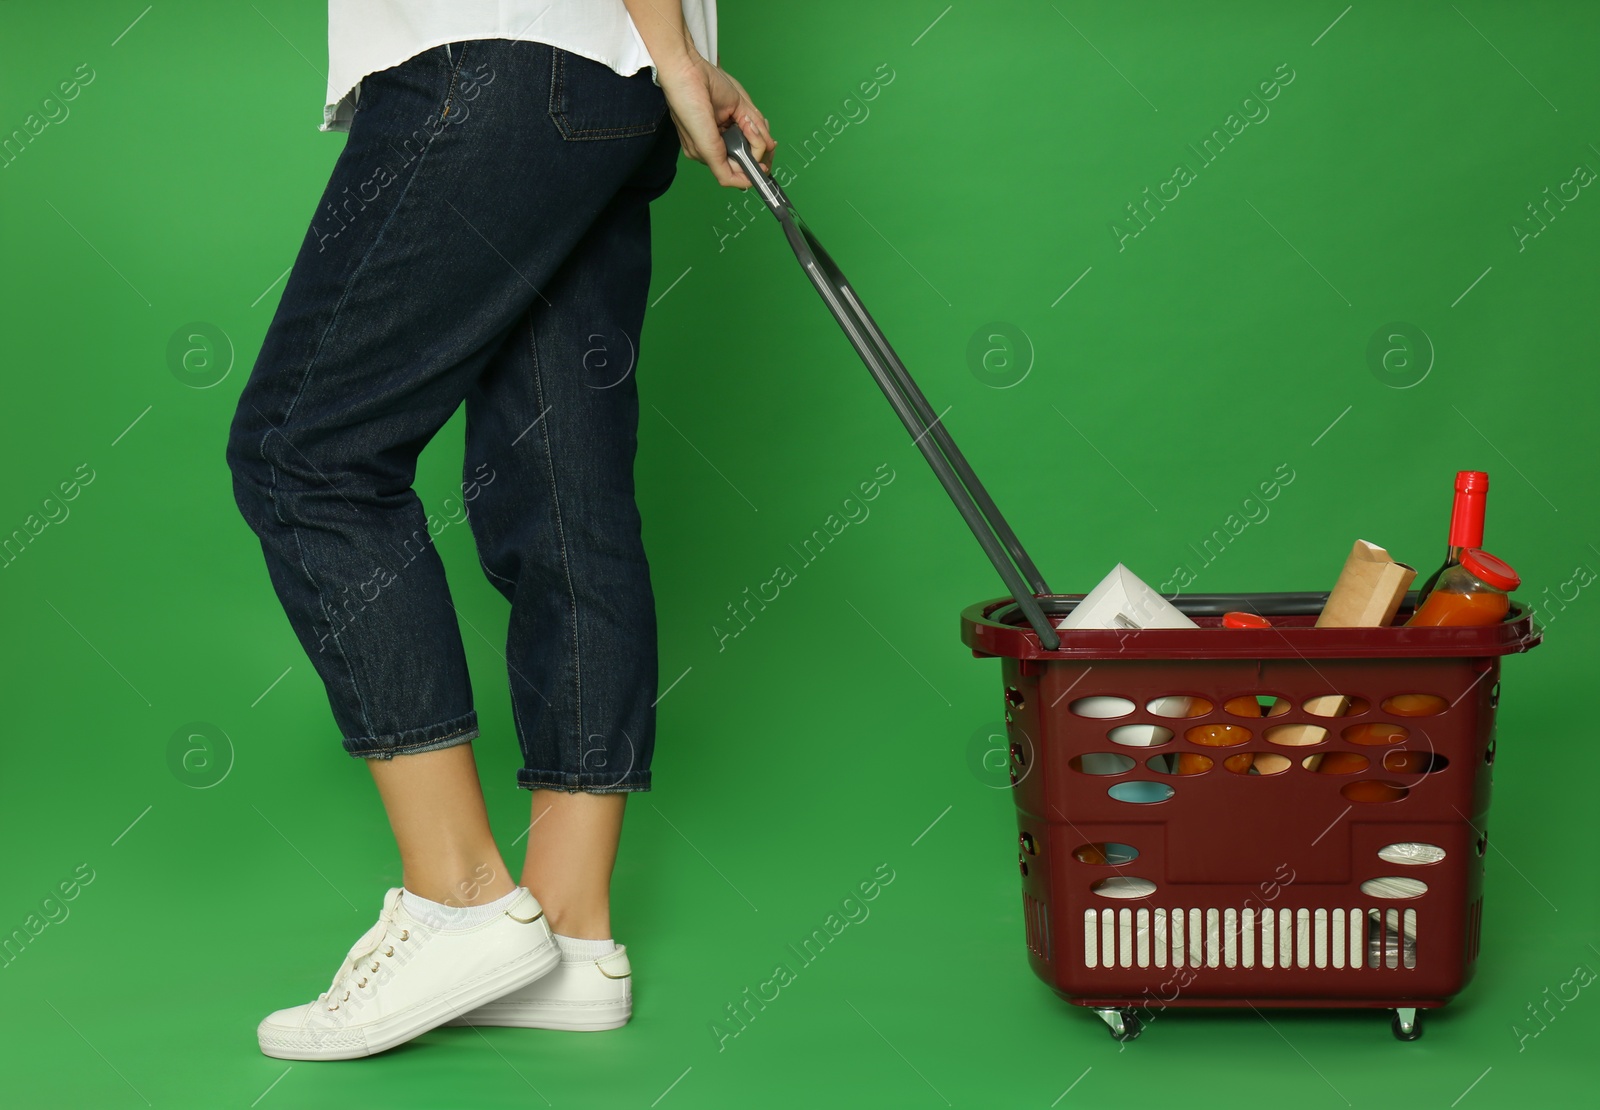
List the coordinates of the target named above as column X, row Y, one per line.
column 1173, row 362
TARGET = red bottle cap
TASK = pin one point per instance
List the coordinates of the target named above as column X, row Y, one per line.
column 1496, row 572
column 1247, row 620
column 1466, row 513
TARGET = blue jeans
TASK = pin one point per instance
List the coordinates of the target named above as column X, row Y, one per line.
column 484, row 239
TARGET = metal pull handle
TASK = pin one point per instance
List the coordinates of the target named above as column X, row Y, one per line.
column 739, row 153
column 927, row 430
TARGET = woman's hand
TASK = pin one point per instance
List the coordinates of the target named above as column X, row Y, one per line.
column 703, row 100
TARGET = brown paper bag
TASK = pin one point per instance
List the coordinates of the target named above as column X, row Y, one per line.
column 1367, row 595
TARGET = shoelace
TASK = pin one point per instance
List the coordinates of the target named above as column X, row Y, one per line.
column 371, row 942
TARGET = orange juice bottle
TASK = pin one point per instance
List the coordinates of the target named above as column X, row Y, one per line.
column 1473, row 592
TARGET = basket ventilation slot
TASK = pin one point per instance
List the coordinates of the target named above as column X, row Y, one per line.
column 1036, row 920
column 1249, row 938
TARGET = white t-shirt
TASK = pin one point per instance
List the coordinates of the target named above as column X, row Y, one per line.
column 365, row 36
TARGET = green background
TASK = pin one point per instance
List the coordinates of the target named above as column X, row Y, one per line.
column 836, row 733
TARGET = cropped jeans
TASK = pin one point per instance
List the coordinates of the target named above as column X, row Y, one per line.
column 484, row 239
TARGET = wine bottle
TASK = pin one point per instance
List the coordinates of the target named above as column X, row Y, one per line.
column 1466, row 525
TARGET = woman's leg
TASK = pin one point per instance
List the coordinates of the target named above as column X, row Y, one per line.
column 435, row 808
column 572, row 846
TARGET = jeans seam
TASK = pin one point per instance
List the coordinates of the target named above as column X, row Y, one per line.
column 529, row 779
column 561, row 532
column 491, row 573
column 322, row 602
column 516, row 717
column 450, row 92
column 305, row 568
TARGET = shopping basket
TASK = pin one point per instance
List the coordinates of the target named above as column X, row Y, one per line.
column 1255, row 877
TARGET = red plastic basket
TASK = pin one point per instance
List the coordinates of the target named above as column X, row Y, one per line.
column 1258, row 878
column 1257, row 894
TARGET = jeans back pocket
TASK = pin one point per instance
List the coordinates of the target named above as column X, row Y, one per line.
column 590, row 100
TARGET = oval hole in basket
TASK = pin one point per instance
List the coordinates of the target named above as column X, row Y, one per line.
column 1414, row 763
column 1296, row 736
column 1178, row 705
column 1353, row 706
column 1101, row 763
column 1373, row 790
column 1336, row 763
column 1106, row 853
column 1101, row 706
column 1123, row 886
column 1180, row 763
column 1257, row 763
column 1376, row 734
column 1414, row 705
column 1411, row 852
column 1257, row 705
column 1141, row 792
column 1217, row 736
column 1394, row 886
column 1140, row 736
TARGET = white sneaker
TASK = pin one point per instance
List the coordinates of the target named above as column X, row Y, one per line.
column 579, row 995
column 403, row 978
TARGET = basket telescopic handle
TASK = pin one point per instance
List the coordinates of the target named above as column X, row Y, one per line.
column 927, row 430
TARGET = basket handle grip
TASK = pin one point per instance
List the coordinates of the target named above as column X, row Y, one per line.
column 740, row 154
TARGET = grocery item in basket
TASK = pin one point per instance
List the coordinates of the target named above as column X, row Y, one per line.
column 1382, row 733
column 1369, row 589
column 1338, row 763
column 1123, row 600
column 1367, row 595
column 1466, row 524
column 1102, row 707
column 1394, row 886
column 1473, row 592
column 1414, row 705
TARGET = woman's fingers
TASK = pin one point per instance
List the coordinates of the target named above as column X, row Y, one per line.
column 726, row 171
column 755, row 137
column 703, row 142
column 766, row 132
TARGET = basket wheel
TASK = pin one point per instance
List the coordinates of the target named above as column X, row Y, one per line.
column 1406, row 1024
column 1124, row 1024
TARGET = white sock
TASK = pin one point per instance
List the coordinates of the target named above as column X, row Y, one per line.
column 437, row 915
column 582, row 949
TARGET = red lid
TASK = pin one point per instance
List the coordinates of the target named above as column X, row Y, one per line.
column 1482, row 565
column 1244, row 620
column 1472, row 481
